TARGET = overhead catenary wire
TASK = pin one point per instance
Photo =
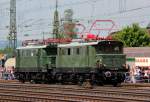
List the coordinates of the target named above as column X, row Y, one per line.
column 109, row 15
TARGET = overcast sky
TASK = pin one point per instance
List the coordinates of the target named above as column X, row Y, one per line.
column 35, row 17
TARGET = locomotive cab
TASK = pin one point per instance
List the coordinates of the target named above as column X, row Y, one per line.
column 35, row 62
column 110, row 53
column 111, row 60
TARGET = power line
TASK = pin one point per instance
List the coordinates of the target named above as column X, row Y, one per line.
column 126, row 11
column 64, row 5
column 89, row 1
column 122, row 5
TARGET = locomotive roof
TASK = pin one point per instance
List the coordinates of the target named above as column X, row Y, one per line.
column 32, row 47
column 75, row 44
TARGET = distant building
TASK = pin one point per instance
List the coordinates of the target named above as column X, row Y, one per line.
column 68, row 24
column 138, row 56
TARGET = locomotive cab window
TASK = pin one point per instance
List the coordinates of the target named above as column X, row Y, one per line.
column 109, row 47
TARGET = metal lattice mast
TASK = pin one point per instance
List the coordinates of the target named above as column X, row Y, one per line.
column 56, row 23
column 122, row 6
column 13, row 29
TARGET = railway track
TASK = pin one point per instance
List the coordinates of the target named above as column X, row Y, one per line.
column 77, row 94
column 9, row 81
column 31, row 95
column 124, row 84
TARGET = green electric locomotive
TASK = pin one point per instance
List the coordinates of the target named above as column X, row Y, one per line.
column 102, row 62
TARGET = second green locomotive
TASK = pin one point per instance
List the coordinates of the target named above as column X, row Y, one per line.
column 102, row 62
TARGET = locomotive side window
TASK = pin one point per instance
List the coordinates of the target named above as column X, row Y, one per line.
column 33, row 52
column 77, row 51
column 29, row 52
column 23, row 53
column 84, row 50
column 18, row 52
column 63, row 51
column 69, row 51
column 72, row 51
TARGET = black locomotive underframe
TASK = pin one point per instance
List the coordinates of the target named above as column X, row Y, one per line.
column 53, row 75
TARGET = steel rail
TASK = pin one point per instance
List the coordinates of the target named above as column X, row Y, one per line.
column 36, row 96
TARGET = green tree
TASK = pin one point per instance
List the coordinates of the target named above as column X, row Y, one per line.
column 7, row 51
column 133, row 36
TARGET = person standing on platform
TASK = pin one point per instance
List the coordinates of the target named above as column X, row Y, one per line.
column 132, row 74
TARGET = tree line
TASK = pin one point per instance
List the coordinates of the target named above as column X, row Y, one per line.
column 133, row 36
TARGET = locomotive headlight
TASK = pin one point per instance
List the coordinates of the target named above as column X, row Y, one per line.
column 100, row 60
column 104, row 65
column 108, row 74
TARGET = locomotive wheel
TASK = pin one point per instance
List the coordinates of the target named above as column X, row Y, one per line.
column 115, row 83
column 22, row 81
column 119, row 84
column 21, row 78
column 87, row 84
column 93, row 79
column 17, row 76
column 80, row 81
column 101, row 83
column 72, row 79
column 32, row 81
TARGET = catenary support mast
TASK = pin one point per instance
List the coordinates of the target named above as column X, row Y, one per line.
column 13, row 29
column 56, row 23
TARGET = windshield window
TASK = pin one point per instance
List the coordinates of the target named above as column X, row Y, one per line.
column 109, row 48
column 51, row 51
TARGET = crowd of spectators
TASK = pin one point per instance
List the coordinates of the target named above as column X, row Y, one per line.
column 138, row 75
column 6, row 73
